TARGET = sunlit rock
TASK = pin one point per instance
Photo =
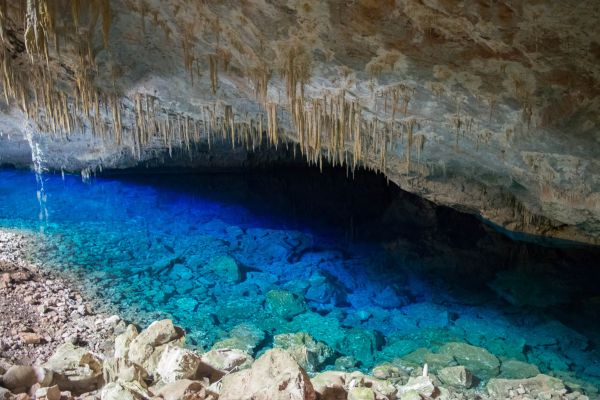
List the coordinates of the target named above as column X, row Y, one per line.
column 219, row 362
column 147, row 347
column 177, row 363
column 274, row 376
column 75, row 369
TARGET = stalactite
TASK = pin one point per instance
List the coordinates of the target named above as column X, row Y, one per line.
column 214, row 72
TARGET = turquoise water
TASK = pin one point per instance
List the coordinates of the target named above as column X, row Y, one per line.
column 361, row 266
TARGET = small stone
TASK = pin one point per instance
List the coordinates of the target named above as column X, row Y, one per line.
column 30, row 338
column 48, row 393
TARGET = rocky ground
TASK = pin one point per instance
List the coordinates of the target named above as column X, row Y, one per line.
column 40, row 311
column 53, row 347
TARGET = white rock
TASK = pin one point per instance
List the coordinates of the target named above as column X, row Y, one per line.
column 177, row 363
column 75, row 369
column 218, row 362
column 274, row 376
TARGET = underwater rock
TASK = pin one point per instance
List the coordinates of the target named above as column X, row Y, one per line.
column 397, row 348
column 540, row 386
column 360, row 344
column 346, row 363
column 75, row 369
column 513, row 369
column 479, row 361
column 177, row 363
column 528, row 289
column 216, row 363
column 244, row 337
column 325, row 329
column 274, row 376
column 387, row 371
column 427, row 315
column 146, row 348
column 325, row 291
column 284, row 304
column 457, row 376
column 389, row 298
column 225, row 268
column 307, row 352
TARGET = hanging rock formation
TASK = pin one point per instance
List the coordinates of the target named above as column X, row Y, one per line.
column 490, row 107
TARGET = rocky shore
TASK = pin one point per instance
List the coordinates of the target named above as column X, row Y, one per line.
column 53, row 346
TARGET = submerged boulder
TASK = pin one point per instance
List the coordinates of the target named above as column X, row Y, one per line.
column 513, row 369
column 360, row 344
column 457, row 376
column 225, row 268
column 75, row 369
column 309, row 353
column 284, row 304
column 245, row 337
column 274, row 376
column 479, row 361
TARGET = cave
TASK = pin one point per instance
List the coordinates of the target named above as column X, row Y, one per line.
column 311, row 200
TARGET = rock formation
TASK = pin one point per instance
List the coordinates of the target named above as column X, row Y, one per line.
column 490, row 107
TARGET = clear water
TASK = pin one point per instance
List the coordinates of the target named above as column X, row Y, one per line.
column 371, row 271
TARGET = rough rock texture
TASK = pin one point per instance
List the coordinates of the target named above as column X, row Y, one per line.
column 491, row 107
column 274, row 376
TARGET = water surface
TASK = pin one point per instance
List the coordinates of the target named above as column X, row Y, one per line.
column 369, row 270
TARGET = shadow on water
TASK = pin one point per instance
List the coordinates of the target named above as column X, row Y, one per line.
column 362, row 254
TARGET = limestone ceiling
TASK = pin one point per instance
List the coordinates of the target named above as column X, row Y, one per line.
column 491, row 106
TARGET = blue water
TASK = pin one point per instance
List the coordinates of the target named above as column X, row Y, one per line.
column 372, row 272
